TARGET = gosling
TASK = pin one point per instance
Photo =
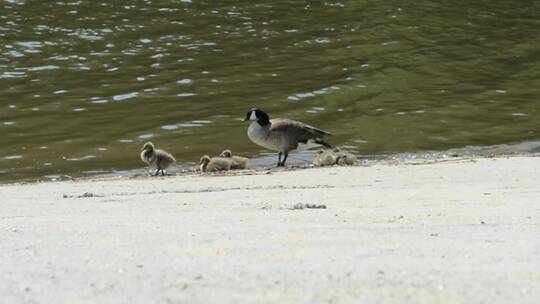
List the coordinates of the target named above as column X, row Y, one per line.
column 156, row 158
column 324, row 158
column 208, row 164
column 344, row 158
column 238, row 162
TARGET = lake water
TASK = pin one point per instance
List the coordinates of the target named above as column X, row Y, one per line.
column 85, row 83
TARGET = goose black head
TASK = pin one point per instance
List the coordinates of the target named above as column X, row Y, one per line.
column 257, row 115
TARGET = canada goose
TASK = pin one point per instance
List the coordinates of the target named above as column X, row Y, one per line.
column 282, row 135
column 344, row 158
column 207, row 164
column 156, row 158
column 238, row 162
column 324, row 158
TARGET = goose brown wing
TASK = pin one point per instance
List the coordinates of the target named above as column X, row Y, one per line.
column 296, row 129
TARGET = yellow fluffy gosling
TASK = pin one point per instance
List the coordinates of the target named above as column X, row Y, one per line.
column 344, row 158
column 238, row 162
column 324, row 158
column 208, row 164
column 156, row 158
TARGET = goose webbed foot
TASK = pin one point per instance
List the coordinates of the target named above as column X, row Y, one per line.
column 279, row 164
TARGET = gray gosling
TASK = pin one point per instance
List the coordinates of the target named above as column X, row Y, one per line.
column 344, row 158
column 156, row 158
column 282, row 135
column 324, row 158
column 238, row 162
column 208, row 164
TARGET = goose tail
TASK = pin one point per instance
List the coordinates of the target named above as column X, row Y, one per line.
column 322, row 142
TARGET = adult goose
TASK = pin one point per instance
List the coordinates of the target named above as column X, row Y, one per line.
column 282, row 135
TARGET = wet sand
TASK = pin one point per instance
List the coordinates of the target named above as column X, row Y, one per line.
column 462, row 231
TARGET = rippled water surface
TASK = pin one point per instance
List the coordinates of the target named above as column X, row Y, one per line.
column 85, row 83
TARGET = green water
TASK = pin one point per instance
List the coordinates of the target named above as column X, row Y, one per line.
column 85, row 83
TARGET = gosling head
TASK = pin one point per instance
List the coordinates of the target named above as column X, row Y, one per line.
column 204, row 160
column 257, row 115
column 226, row 153
column 319, row 152
column 337, row 149
column 203, row 163
column 148, row 147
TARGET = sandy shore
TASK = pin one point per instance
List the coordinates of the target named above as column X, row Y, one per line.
column 451, row 232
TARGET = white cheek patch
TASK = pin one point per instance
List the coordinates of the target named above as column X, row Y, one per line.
column 252, row 116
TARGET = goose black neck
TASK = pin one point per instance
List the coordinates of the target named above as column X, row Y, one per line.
column 262, row 118
column 263, row 122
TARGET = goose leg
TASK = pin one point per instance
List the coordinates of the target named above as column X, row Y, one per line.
column 162, row 172
column 284, row 159
column 279, row 159
column 157, row 172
